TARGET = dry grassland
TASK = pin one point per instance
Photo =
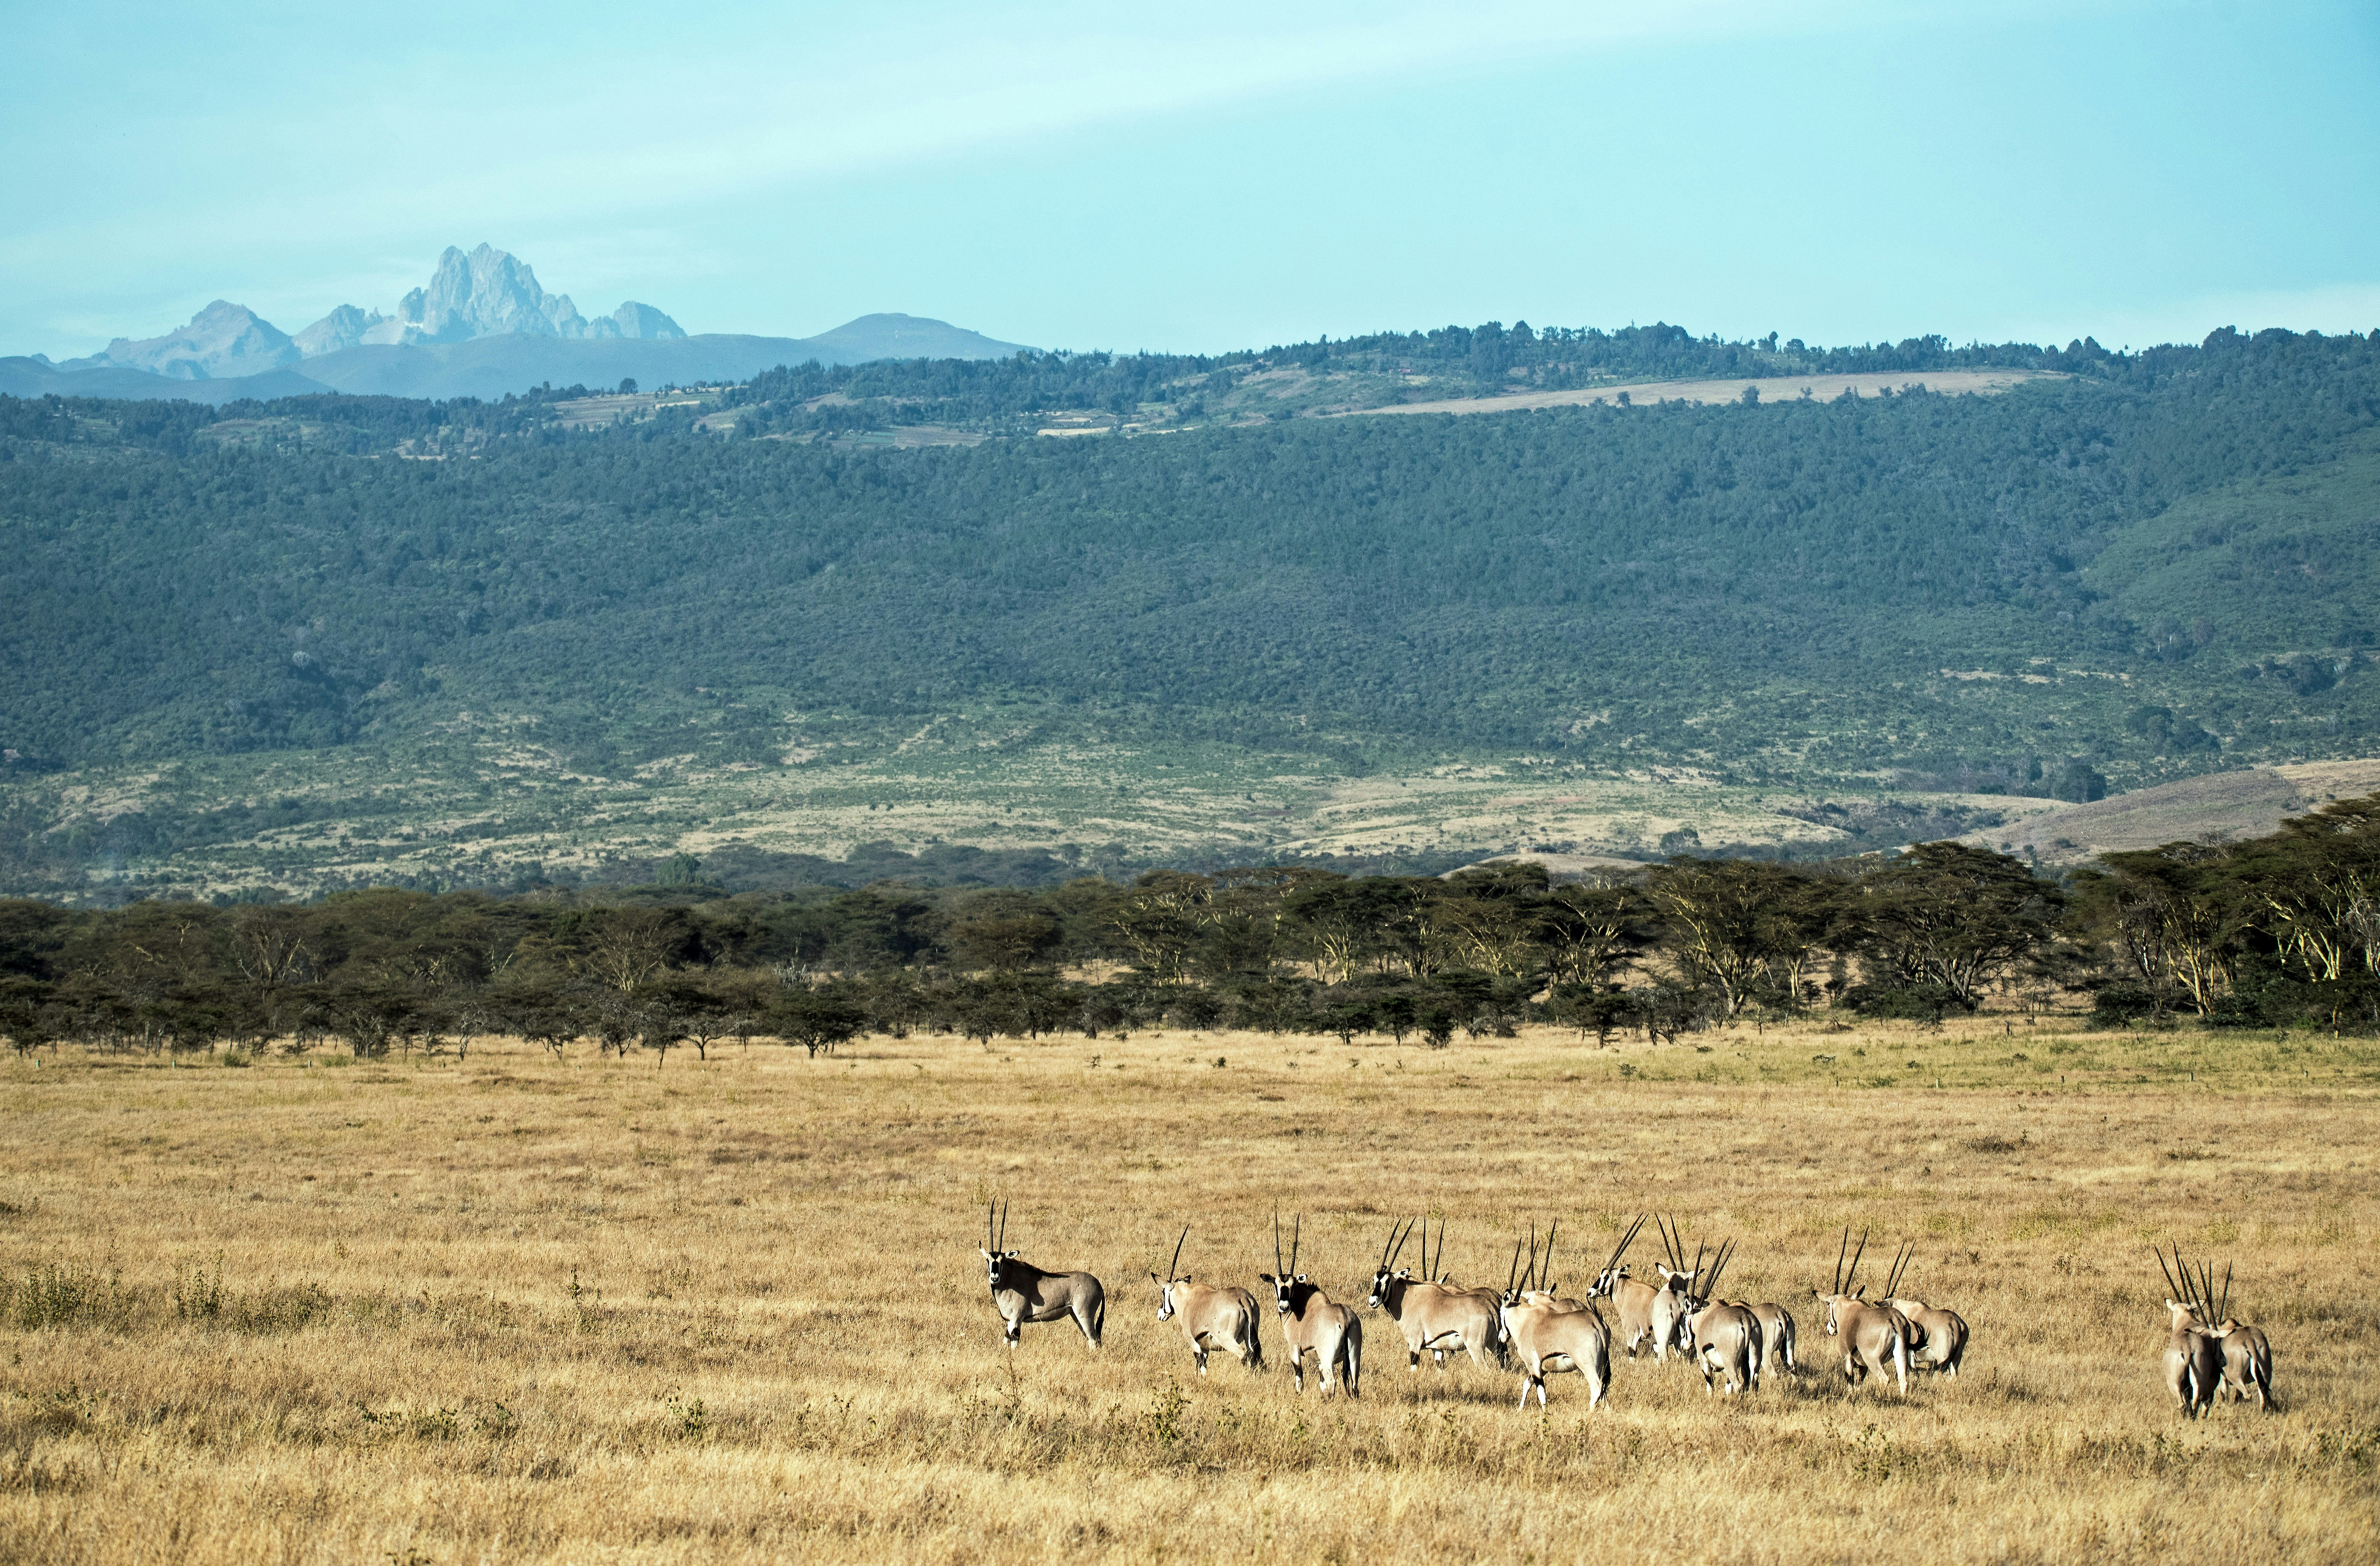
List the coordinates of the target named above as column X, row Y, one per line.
column 2219, row 806
column 521, row 1310
column 1773, row 388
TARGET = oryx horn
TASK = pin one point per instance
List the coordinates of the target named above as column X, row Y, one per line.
column 1901, row 1260
column 1296, row 1233
column 1546, row 1283
column 1852, row 1276
column 1718, row 1265
column 1620, row 1251
column 1173, row 1267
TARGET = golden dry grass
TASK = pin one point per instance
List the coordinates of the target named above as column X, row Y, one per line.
column 521, row 1310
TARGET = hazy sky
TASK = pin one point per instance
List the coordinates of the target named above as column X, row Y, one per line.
column 1209, row 176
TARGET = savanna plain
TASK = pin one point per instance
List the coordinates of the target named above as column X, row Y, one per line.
column 520, row 1307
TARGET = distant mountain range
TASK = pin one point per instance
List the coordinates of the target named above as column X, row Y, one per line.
column 483, row 327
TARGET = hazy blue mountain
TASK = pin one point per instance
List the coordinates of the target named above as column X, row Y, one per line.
column 30, row 377
column 482, row 326
column 488, row 293
column 221, row 341
column 343, row 328
column 491, row 367
column 907, row 336
column 632, row 319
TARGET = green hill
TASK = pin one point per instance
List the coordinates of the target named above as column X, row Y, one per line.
column 2141, row 567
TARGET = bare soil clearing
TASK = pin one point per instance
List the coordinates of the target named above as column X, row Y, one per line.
column 522, row 1309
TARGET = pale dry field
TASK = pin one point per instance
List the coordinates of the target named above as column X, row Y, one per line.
column 1773, row 388
column 521, row 1310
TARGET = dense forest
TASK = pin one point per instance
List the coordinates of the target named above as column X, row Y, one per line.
column 2277, row 931
column 1580, row 578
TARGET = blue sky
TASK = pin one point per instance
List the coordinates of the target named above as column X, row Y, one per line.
column 1220, row 175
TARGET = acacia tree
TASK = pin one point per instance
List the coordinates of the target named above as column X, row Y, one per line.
column 1589, row 932
column 816, row 1021
column 1952, row 918
column 1743, row 928
column 2168, row 916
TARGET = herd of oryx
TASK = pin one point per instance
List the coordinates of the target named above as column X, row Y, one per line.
column 1531, row 1324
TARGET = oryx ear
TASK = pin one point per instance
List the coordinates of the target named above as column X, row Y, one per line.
column 1264, row 1278
column 1156, row 1280
column 1301, row 1277
column 1860, row 1293
column 1185, row 1278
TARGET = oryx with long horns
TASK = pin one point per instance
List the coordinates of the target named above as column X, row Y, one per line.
column 2193, row 1357
column 1939, row 1340
column 1548, row 1334
column 2247, row 1354
column 1436, row 1319
column 1775, row 1337
column 1725, row 1337
column 1311, row 1322
column 1646, row 1310
column 1210, row 1316
column 1875, row 1337
column 1023, row 1292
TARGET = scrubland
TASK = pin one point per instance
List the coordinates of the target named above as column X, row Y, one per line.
column 521, row 1307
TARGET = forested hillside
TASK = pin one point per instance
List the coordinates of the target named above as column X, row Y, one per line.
column 2143, row 565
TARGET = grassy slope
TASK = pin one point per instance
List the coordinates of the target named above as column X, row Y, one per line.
column 570, row 1310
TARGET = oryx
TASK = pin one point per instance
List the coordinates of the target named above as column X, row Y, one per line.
column 1210, row 1316
column 2194, row 1359
column 1646, row 1310
column 1875, row 1337
column 1937, row 1337
column 1023, row 1292
column 2247, row 1354
column 1434, row 1318
column 1549, row 1334
column 1775, row 1337
column 1312, row 1323
column 1725, row 1337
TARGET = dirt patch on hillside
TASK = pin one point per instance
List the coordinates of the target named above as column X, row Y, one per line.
column 1778, row 388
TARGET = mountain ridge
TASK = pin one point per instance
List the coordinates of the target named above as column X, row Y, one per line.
column 484, row 295
column 489, row 368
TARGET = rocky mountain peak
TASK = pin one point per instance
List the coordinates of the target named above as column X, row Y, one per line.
column 221, row 340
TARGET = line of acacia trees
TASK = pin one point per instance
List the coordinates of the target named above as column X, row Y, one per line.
column 2279, row 930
